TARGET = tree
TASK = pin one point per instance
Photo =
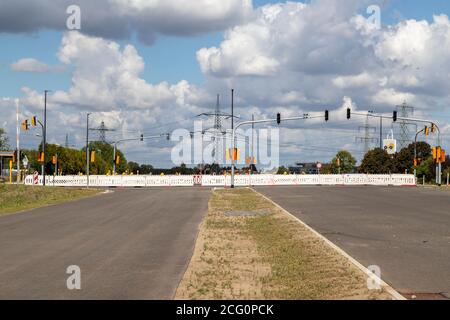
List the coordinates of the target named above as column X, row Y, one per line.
column 3, row 140
column 282, row 170
column 404, row 160
column 133, row 167
column 347, row 162
column 376, row 161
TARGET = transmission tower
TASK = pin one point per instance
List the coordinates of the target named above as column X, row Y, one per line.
column 217, row 131
column 102, row 132
column 405, row 111
column 367, row 138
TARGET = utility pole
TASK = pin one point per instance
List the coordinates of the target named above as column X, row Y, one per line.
column 102, row 132
column 18, row 141
column 44, row 147
column 87, row 150
column 252, row 157
column 367, row 135
column 233, row 162
column 405, row 134
column 381, row 133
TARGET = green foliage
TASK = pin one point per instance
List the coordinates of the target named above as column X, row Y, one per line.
column 348, row 162
column 3, row 140
column 282, row 170
column 376, row 161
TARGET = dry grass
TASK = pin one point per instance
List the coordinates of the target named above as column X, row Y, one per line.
column 265, row 257
column 15, row 198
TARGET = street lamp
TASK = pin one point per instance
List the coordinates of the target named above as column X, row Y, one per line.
column 87, row 150
column 45, row 133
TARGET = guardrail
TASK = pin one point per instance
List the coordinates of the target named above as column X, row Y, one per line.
column 225, row 181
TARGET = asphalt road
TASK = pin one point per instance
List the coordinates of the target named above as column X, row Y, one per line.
column 404, row 231
column 131, row 244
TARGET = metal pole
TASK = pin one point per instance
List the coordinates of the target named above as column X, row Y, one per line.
column 252, row 161
column 114, row 160
column 87, row 150
column 45, row 135
column 233, row 137
column 18, row 141
column 381, row 133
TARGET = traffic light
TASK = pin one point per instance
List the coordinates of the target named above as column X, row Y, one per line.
column 438, row 153
column 25, row 125
column 416, row 162
column 278, row 118
column 395, row 116
column 117, row 160
column 427, row 131
column 433, row 128
column 327, row 115
column 443, row 156
column 92, row 156
column 142, row 138
column 34, row 121
column 41, row 157
column 349, row 113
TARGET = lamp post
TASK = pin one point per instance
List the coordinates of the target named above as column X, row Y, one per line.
column 253, row 122
column 45, row 135
column 415, row 152
column 87, row 150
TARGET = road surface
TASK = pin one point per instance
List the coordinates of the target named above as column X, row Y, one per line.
column 130, row 244
column 404, row 231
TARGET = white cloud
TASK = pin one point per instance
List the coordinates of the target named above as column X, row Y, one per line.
column 30, row 65
column 118, row 19
column 288, row 57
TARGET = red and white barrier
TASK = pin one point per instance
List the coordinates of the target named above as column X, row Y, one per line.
column 225, row 181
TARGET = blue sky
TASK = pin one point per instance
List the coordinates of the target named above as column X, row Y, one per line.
column 173, row 58
column 163, row 60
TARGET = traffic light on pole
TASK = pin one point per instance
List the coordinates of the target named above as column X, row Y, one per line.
column 438, row 154
column 443, row 155
column 278, row 118
column 117, row 160
column 327, row 115
column 433, row 128
column 434, row 152
column 427, row 131
column 34, row 121
column 92, row 156
column 25, row 125
column 395, row 116
column 41, row 157
column 349, row 113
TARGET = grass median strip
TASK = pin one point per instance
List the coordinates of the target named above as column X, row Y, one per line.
column 16, row 198
column 266, row 256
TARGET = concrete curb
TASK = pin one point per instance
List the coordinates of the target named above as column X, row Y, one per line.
column 395, row 295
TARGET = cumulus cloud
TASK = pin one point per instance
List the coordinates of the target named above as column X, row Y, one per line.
column 34, row 66
column 118, row 19
column 29, row 65
column 287, row 57
column 314, row 54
